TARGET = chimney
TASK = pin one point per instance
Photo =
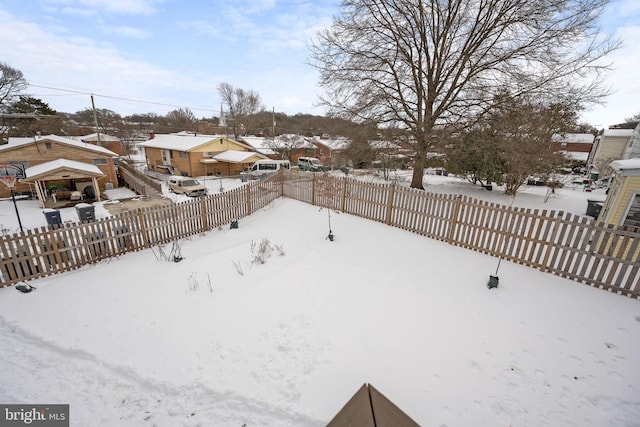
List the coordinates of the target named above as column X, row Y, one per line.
column 152, row 135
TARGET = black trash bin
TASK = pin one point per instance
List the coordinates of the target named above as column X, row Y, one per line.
column 53, row 216
column 594, row 207
column 86, row 212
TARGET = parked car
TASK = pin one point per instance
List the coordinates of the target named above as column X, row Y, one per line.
column 262, row 168
column 310, row 164
column 186, row 185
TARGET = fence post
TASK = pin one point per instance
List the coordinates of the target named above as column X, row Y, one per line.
column 281, row 172
column 313, row 189
column 343, row 202
column 454, row 219
column 391, row 195
column 203, row 215
column 143, row 229
column 550, row 242
column 56, row 252
column 248, row 187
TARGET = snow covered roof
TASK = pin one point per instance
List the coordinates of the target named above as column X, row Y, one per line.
column 576, row 155
column 18, row 142
column 582, row 138
column 618, row 132
column 627, row 165
column 47, row 168
column 93, row 137
column 383, row 145
column 338, row 143
column 264, row 144
column 179, row 141
column 235, row 156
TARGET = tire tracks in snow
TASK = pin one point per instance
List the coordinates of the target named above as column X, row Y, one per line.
column 34, row 370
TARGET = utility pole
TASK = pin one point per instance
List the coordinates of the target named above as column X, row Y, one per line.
column 95, row 119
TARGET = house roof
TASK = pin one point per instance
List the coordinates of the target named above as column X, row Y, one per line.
column 61, row 169
column 581, row 138
column 235, row 156
column 264, row 144
column 93, row 137
column 618, row 132
column 627, row 165
column 186, row 141
column 576, row 155
column 338, row 143
column 179, row 141
column 19, row 142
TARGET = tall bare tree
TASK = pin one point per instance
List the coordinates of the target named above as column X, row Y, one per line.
column 182, row 119
column 425, row 63
column 241, row 105
column 12, row 84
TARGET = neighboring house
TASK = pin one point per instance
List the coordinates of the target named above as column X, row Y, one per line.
column 330, row 150
column 574, row 146
column 633, row 150
column 609, row 146
column 109, row 142
column 19, row 154
column 286, row 147
column 622, row 206
column 190, row 154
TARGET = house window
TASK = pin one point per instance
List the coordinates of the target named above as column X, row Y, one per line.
column 47, row 145
column 99, row 161
column 633, row 215
column 321, row 153
column 182, row 154
column 208, row 154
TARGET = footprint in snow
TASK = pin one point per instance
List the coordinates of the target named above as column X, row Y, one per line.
column 609, row 345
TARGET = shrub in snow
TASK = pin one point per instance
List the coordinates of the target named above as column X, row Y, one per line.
column 262, row 251
column 192, row 283
column 238, row 267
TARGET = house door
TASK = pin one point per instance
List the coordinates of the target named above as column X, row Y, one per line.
column 166, row 157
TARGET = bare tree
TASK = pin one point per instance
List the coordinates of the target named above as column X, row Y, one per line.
column 424, row 63
column 241, row 105
column 12, row 84
column 524, row 130
column 284, row 145
column 182, row 119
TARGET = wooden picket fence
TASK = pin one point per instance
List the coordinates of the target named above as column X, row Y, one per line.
column 560, row 243
column 50, row 250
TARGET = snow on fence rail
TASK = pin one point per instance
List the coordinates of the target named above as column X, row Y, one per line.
column 560, row 243
column 50, row 250
column 567, row 245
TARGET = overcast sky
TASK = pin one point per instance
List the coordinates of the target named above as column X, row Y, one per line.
column 174, row 53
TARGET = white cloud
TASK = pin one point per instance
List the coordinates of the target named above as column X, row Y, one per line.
column 95, row 7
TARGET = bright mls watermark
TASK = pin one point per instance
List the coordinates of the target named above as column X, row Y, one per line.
column 34, row 415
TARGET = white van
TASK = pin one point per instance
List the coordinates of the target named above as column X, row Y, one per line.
column 310, row 164
column 262, row 168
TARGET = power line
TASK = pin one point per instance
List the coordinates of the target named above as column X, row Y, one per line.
column 77, row 92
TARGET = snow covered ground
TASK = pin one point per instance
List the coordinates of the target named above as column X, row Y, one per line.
column 137, row 341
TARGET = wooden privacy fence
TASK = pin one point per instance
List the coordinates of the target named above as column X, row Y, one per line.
column 50, row 250
column 561, row 243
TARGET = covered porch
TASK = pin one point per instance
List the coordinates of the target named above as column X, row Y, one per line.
column 65, row 177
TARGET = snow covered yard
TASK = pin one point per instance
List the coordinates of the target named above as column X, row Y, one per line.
column 137, row 341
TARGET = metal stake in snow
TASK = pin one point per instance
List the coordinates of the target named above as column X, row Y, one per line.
column 493, row 279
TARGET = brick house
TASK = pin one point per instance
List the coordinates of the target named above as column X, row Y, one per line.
column 20, row 154
column 190, row 154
